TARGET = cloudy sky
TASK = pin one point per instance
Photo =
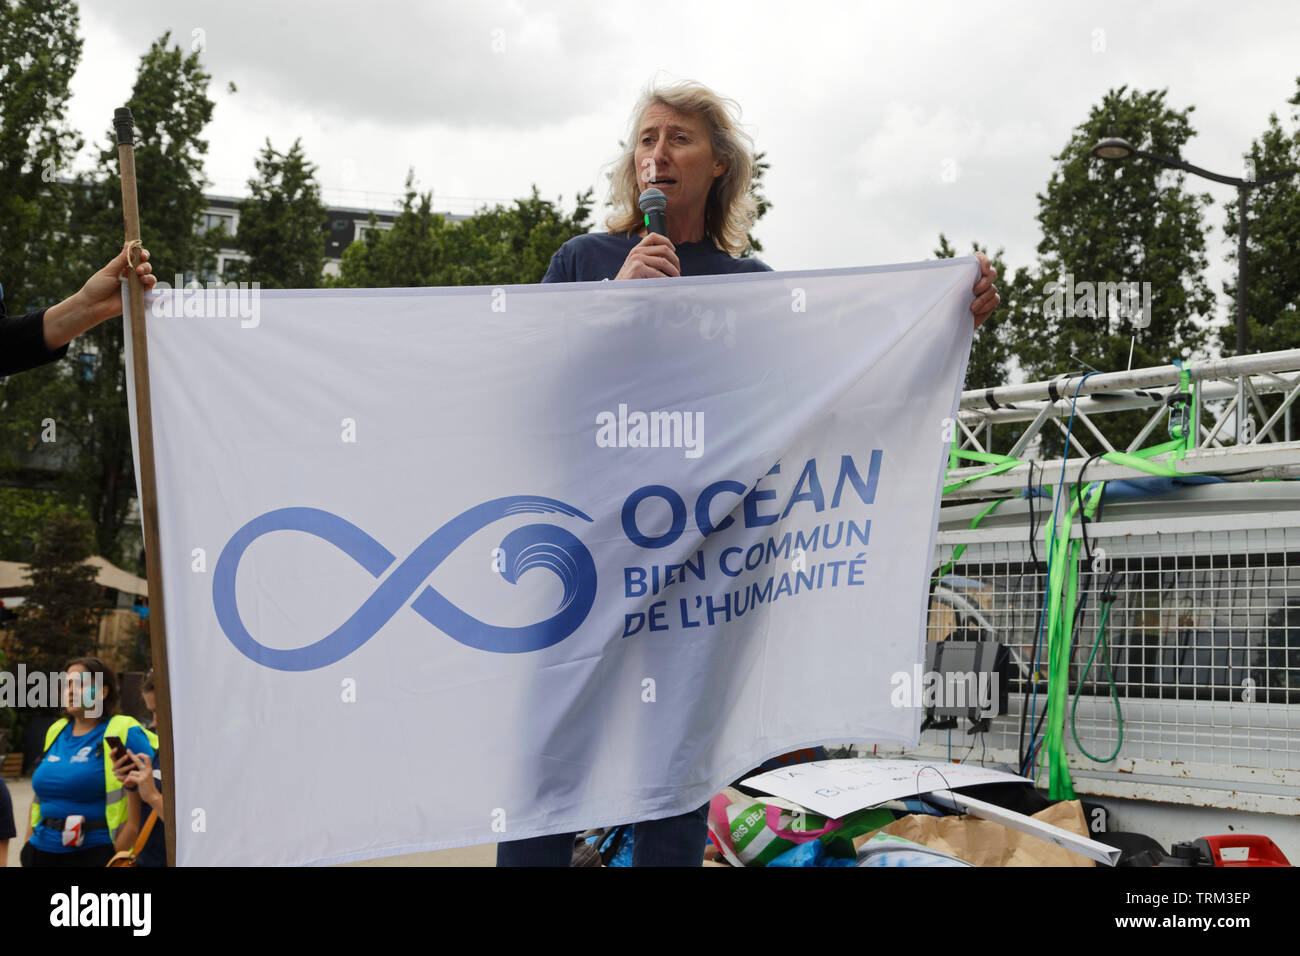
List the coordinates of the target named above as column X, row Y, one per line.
column 861, row 107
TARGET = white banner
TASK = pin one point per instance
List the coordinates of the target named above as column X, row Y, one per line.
column 453, row 566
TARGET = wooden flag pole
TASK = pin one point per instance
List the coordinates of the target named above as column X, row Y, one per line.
column 125, row 128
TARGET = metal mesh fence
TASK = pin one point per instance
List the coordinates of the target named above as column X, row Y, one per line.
column 1203, row 638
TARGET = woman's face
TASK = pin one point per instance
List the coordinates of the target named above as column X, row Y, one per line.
column 80, row 682
column 674, row 154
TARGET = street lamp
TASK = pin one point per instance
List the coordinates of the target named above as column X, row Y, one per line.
column 1114, row 149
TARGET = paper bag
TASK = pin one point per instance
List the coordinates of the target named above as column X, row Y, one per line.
column 985, row 843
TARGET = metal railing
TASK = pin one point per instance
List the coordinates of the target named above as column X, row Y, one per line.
column 1234, row 444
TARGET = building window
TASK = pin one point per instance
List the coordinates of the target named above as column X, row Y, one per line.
column 224, row 260
column 362, row 227
column 215, row 219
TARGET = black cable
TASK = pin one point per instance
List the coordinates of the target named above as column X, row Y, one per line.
column 921, row 770
column 1078, row 614
column 1033, row 524
column 1074, row 637
column 1083, row 517
column 1033, row 551
column 1074, row 624
column 1029, row 685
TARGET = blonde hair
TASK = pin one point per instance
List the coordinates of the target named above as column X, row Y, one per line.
column 729, row 211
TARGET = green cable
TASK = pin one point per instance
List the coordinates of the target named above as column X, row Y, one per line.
column 1064, row 590
column 1062, row 585
column 1114, row 694
column 1001, row 462
column 957, row 551
column 1061, row 607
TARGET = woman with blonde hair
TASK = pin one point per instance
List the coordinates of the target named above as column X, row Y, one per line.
column 686, row 141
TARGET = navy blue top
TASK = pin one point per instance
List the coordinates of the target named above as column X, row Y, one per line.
column 22, row 340
column 599, row 255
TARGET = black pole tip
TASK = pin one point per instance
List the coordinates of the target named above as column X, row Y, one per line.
column 124, row 125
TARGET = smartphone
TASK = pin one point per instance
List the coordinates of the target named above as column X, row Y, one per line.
column 118, row 750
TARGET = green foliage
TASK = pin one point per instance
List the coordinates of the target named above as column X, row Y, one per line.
column 756, row 190
column 1102, row 221
column 59, row 619
column 1272, row 237
column 1132, row 221
column 26, row 511
column 496, row 246
column 997, row 340
column 282, row 224
column 501, row 245
column 171, row 107
column 39, row 51
column 989, row 352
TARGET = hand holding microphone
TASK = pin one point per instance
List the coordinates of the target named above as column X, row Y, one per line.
column 654, row 256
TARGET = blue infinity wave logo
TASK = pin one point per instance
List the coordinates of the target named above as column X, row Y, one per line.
column 531, row 546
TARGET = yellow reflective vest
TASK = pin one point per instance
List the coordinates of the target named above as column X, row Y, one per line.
column 115, row 806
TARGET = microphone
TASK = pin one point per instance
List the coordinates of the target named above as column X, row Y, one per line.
column 653, row 203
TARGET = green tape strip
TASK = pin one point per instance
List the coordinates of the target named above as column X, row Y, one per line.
column 1063, row 580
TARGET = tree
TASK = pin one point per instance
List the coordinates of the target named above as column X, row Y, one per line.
column 59, row 619
column 496, row 246
column 407, row 255
column 26, row 512
column 512, row 245
column 39, row 51
column 1111, row 222
column 989, row 352
column 756, row 190
column 171, row 107
column 993, row 346
column 281, row 224
column 1273, row 216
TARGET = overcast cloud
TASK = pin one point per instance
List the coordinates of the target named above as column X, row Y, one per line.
column 861, row 108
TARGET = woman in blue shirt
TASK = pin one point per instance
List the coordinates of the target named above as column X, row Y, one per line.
column 685, row 142
column 80, row 806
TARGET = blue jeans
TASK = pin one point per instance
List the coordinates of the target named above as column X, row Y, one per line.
column 672, row 841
